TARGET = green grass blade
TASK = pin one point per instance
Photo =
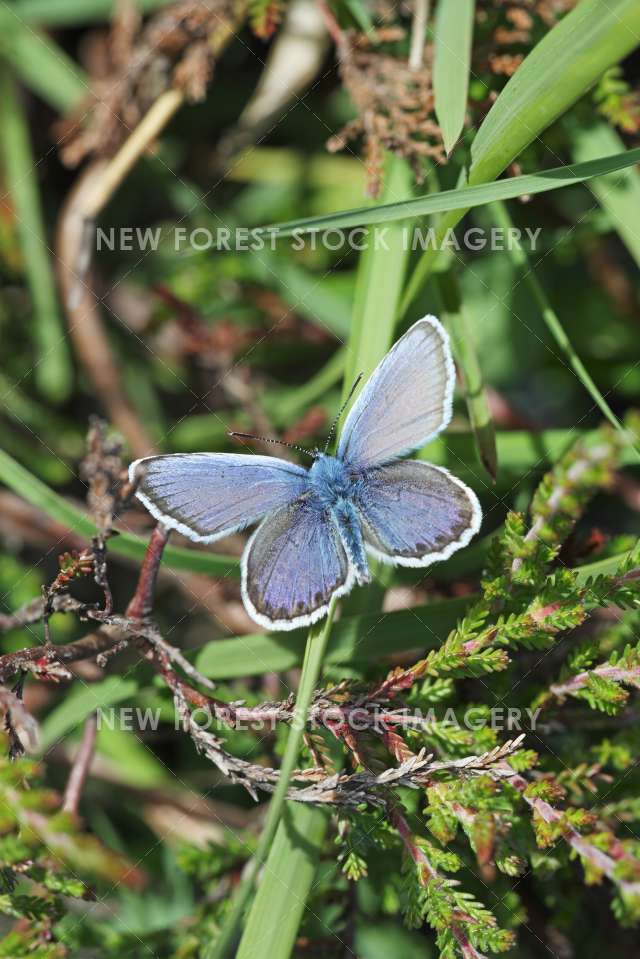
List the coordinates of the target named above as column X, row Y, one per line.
column 43, row 66
column 52, row 366
column 605, row 567
column 79, row 702
column 595, row 35
column 517, row 252
column 25, row 484
column 460, row 200
column 274, row 920
column 355, row 640
column 618, row 194
column 519, row 451
column 130, row 758
column 266, row 897
column 378, row 285
column 62, row 13
column 360, row 13
column 63, row 438
column 568, row 60
column 462, row 339
column 381, row 273
column 319, row 300
column 453, row 37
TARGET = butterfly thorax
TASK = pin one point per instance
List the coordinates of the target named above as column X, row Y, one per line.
column 335, row 488
column 331, row 480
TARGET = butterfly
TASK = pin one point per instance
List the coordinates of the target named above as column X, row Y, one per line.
column 318, row 525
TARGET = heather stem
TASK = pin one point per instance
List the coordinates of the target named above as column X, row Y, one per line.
column 141, row 604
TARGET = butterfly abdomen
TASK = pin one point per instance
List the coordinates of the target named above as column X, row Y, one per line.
column 348, row 523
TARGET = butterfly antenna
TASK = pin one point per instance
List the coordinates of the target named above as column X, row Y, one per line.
column 267, row 439
column 342, row 409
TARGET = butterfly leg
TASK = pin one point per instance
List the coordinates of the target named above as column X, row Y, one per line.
column 348, row 523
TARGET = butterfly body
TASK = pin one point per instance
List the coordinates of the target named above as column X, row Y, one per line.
column 334, row 486
column 319, row 525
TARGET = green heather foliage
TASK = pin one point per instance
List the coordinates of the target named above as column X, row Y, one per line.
column 46, row 861
column 447, row 766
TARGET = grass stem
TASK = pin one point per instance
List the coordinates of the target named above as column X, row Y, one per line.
column 311, row 668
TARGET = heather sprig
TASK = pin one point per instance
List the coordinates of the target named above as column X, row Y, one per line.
column 46, row 857
column 530, row 601
column 603, row 687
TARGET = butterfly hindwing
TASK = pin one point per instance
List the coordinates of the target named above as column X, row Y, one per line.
column 414, row 514
column 293, row 564
column 406, row 401
column 209, row 495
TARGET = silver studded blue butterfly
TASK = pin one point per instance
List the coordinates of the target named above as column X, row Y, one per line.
column 318, row 525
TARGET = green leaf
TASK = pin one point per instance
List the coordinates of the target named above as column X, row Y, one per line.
column 459, row 200
column 79, row 702
column 360, row 13
column 378, row 286
column 277, row 910
column 58, row 13
column 520, row 258
column 462, row 337
column 570, row 58
column 324, row 300
column 131, row 759
column 618, row 194
column 357, row 640
column 288, row 404
column 605, row 567
column 518, row 450
column 63, row 438
column 453, row 36
column 564, row 65
column 42, row 65
column 53, row 369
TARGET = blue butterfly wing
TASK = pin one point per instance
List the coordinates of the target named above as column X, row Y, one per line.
column 292, row 566
column 414, row 514
column 209, row 495
column 406, row 401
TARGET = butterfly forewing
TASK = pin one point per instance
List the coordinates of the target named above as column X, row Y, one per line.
column 414, row 514
column 209, row 495
column 294, row 564
column 406, row 401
